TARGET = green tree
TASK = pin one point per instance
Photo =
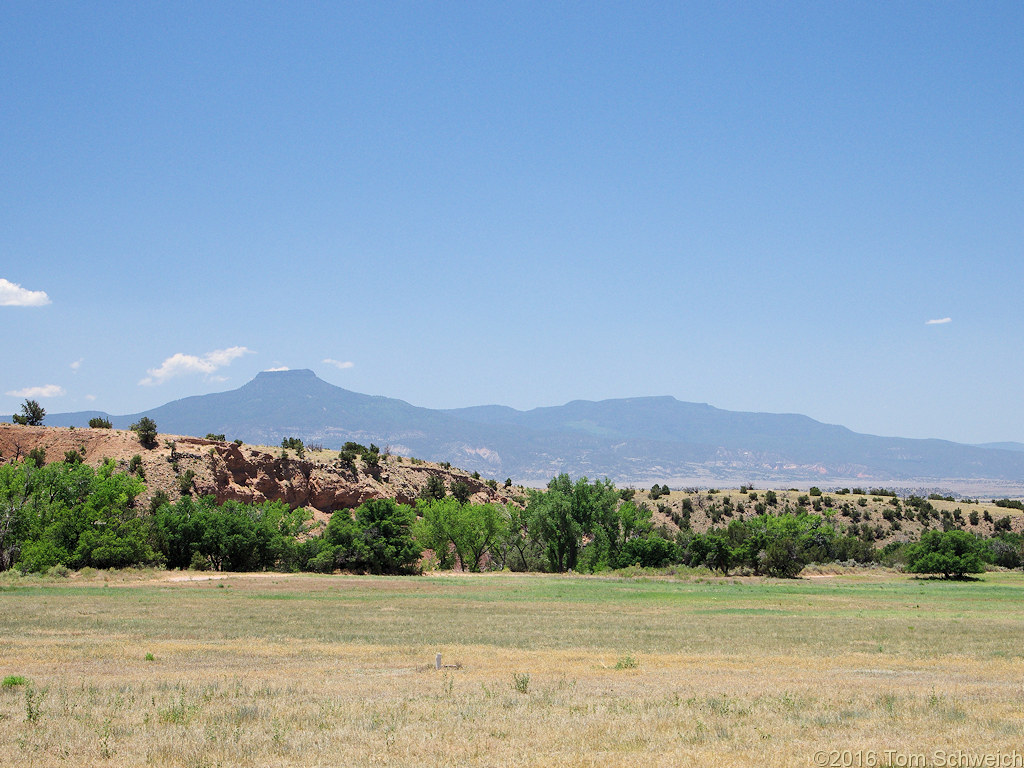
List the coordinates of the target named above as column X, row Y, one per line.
column 434, row 488
column 16, row 509
column 461, row 492
column 383, row 537
column 32, row 414
column 84, row 517
column 99, row 422
column 228, row 537
column 387, row 531
column 560, row 517
column 145, row 428
column 470, row 531
column 295, row 444
column 952, row 553
column 616, row 525
column 718, row 553
column 518, row 549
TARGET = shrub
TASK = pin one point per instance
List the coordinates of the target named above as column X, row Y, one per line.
column 461, row 492
column 212, row 436
column 1009, row 503
column 34, row 702
column 657, row 491
column 135, row 466
column 323, row 560
column 72, row 457
column 521, row 682
column 157, row 500
column 199, row 562
column 99, row 423
column 145, row 428
column 294, row 444
column 13, row 681
column 434, row 489
column 1007, row 550
column 185, row 482
column 37, row 455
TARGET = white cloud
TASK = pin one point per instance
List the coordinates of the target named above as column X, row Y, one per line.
column 218, row 379
column 77, row 364
column 48, row 390
column 181, row 364
column 339, row 364
column 90, row 397
column 279, row 368
column 940, row 321
column 13, row 295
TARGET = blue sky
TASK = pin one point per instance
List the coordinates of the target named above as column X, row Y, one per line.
column 756, row 205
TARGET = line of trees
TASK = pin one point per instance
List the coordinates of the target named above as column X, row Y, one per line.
column 67, row 514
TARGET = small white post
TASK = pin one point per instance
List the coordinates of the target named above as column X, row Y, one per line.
column 437, row 661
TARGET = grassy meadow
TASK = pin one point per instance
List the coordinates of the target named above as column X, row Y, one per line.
column 126, row 669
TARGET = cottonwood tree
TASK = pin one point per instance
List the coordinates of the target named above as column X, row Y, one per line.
column 469, row 531
column 562, row 516
column 954, row 554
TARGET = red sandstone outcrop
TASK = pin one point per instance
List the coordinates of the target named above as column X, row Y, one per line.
column 245, row 473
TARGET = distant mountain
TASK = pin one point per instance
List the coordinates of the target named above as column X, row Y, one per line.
column 1010, row 446
column 629, row 440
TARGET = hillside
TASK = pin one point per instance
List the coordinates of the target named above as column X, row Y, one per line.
column 251, row 474
column 321, row 484
column 635, row 440
column 878, row 518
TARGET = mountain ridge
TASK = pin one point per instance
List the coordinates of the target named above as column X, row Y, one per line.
column 632, row 439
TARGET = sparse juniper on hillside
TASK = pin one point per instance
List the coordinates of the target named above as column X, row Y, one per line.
column 32, row 414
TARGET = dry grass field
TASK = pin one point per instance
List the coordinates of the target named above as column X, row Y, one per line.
column 271, row 670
